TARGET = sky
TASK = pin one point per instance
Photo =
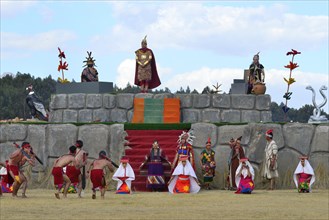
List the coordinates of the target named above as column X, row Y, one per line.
column 195, row 43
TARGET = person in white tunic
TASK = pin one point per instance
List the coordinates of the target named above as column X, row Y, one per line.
column 270, row 169
column 124, row 175
column 304, row 176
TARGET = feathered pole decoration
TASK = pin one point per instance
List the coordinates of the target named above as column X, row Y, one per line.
column 62, row 66
column 289, row 81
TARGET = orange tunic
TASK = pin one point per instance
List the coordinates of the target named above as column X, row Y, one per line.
column 182, row 184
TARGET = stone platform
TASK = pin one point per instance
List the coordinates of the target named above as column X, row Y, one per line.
column 84, row 87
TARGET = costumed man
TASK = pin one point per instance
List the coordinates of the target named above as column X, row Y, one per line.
column 3, row 167
column 184, row 179
column 270, row 168
column 237, row 152
column 89, row 73
column 208, row 164
column 304, row 175
column 35, row 104
column 185, row 141
column 256, row 73
column 156, row 167
column 97, row 175
column 146, row 74
column 77, row 173
column 244, row 177
column 60, row 178
column 124, row 175
column 16, row 160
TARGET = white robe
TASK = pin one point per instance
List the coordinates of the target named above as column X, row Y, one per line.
column 187, row 170
column 244, row 173
column 124, row 172
column 307, row 168
column 271, row 149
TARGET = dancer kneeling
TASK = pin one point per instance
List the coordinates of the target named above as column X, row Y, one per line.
column 124, row 175
column 244, row 177
column 96, row 170
column 304, row 176
column 183, row 179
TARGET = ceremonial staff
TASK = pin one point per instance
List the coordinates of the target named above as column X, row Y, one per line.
column 25, row 154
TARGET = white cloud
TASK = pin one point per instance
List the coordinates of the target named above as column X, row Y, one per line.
column 34, row 42
column 233, row 30
column 14, row 8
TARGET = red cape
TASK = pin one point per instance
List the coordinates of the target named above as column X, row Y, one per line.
column 155, row 80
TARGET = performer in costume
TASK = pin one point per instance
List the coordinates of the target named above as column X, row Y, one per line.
column 185, row 141
column 6, row 179
column 124, row 175
column 60, row 178
column 304, row 176
column 156, row 167
column 237, row 152
column 208, row 164
column 35, row 104
column 270, row 167
column 1, row 174
column 89, row 73
column 256, row 73
column 16, row 160
column 146, row 74
column 97, row 177
column 244, row 177
column 184, row 179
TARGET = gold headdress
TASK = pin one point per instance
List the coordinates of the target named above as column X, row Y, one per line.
column 144, row 40
column 89, row 59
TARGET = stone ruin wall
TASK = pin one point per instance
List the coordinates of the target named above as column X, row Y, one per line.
column 213, row 108
column 293, row 140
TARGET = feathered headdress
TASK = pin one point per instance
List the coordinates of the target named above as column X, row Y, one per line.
column 89, row 59
column 188, row 136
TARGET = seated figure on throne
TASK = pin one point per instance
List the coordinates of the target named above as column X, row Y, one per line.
column 89, row 74
column 256, row 76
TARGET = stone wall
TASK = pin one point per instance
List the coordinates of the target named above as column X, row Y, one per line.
column 293, row 139
column 194, row 107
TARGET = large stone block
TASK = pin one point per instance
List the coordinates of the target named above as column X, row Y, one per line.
column 95, row 138
column 101, row 115
column 210, row 115
column 226, row 132
column 202, row 131
column 85, row 115
column 298, row 136
column 5, row 150
column 201, row 100
column 13, row 132
column 263, row 102
column 36, row 135
column 59, row 138
column 163, row 95
column 243, row 101
column 2, row 133
column 250, row 116
column 231, row 116
column 70, row 115
column 266, row 116
column 56, row 116
column 117, row 142
column 186, row 100
column 320, row 142
column 191, row 115
column 118, row 115
column 125, row 101
column 130, row 115
column 84, row 87
column 144, row 95
column 287, row 162
column 320, row 162
column 221, row 101
column 94, row 101
column 77, row 101
column 109, row 101
column 58, row 101
column 254, row 139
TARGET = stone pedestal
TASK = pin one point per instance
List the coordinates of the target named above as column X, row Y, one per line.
column 84, row 87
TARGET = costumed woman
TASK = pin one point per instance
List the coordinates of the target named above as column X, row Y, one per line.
column 208, row 164
column 146, row 74
column 185, row 141
column 244, row 177
column 304, row 175
column 156, row 167
column 183, row 179
column 124, row 175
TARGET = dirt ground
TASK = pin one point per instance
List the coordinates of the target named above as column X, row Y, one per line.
column 212, row 204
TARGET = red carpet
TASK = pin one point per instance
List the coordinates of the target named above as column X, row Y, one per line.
column 141, row 141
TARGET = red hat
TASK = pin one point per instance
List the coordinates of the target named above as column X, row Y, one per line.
column 269, row 133
column 183, row 157
column 124, row 160
column 208, row 141
column 243, row 160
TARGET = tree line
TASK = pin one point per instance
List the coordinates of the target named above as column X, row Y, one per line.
column 13, row 93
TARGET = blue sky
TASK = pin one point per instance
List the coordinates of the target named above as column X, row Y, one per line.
column 195, row 43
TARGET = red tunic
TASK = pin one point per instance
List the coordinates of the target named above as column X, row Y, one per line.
column 96, row 177
column 58, row 175
column 73, row 173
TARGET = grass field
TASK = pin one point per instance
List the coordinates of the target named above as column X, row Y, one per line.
column 213, row 204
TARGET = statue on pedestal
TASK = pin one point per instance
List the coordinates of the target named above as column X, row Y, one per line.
column 317, row 117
